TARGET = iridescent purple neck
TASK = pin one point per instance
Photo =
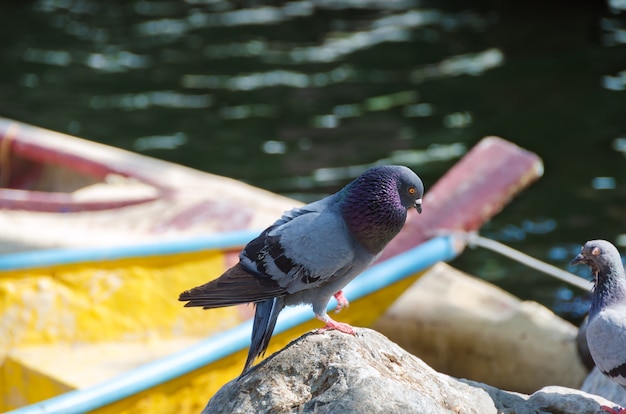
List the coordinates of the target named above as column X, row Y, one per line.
column 610, row 287
column 373, row 212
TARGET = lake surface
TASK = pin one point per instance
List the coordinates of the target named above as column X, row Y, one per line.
column 286, row 95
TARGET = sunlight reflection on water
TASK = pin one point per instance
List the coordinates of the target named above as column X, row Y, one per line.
column 300, row 96
column 166, row 99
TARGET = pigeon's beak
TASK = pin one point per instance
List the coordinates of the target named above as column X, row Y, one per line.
column 418, row 205
column 577, row 260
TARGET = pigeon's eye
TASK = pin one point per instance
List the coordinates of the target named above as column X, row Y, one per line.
column 595, row 251
column 412, row 190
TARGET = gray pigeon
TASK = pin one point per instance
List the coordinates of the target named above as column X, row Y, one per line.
column 312, row 252
column 606, row 326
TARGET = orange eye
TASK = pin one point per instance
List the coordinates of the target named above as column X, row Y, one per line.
column 595, row 251
column 412, row 190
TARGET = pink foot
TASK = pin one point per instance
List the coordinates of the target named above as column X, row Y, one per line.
column 342, row 301
column 615, row 410
column 334, row 325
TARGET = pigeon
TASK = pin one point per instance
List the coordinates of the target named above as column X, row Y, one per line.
column 606, row 326
column 312, row 252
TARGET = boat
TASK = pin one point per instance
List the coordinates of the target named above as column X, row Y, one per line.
column 97, row 328
column 57, row 190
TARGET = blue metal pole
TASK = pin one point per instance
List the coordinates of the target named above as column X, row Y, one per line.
column 52, row 257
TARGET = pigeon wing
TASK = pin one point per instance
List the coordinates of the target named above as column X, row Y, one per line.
column 234, row 287
column 303, row 250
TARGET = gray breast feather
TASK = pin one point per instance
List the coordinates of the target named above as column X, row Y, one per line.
column 606, row 337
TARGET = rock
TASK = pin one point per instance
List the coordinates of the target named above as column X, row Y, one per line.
column 551, row 399
column 465, row 327
column 599, row 384
column 331, row 372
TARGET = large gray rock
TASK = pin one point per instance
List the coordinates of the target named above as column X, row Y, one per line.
column 548, row 400
column 331, row 372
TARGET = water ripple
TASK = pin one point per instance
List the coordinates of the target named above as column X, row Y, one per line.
column 49, row 57
column 434, row 153
column 465, row 64
column 252, row 81
column 166, row 99
column 119, row 61
column 160, row 142
column 197, row 19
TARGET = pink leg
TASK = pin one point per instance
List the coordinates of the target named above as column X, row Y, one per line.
column 342, row 301
column 331, row 324
column 610, row 410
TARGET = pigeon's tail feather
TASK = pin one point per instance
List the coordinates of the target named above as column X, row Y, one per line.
column 264, row 322
column 234, row 287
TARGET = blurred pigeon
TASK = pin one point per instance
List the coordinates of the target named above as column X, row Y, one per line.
column 606, row 326
column 312, row 252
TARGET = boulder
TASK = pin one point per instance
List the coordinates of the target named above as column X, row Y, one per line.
column 466, row 327
column 331, row 372
column 551, row 399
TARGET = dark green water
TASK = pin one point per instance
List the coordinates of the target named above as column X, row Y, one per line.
column 284, row 95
